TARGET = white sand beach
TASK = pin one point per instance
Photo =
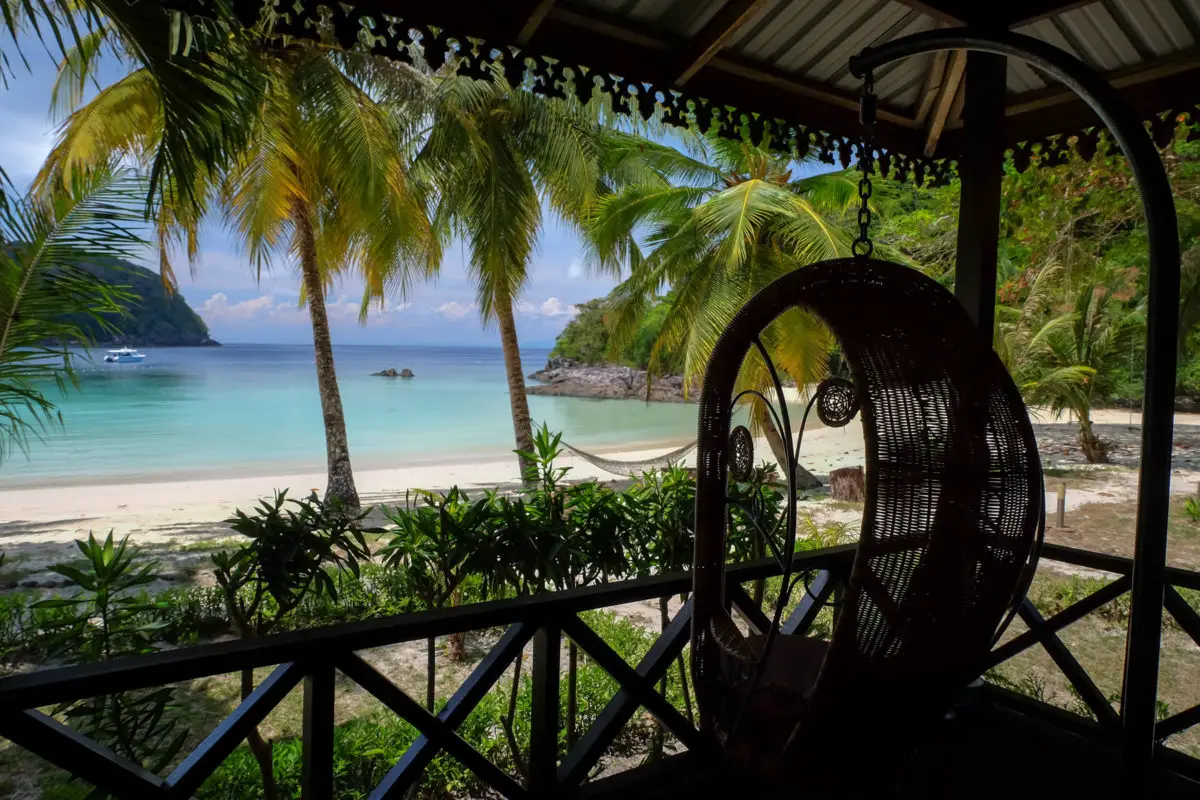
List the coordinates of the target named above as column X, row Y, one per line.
column 156, row 511
column 40, row 523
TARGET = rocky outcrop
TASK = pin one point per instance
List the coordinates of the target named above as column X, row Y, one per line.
column 391, row 372
column 563, row 377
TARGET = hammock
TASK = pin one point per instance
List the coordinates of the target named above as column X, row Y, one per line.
column 632, row 469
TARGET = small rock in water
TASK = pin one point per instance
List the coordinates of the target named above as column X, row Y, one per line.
column 406, row 373
column 392, row 372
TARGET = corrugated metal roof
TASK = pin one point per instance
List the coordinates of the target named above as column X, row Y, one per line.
column 814, row 39
column 1114, row 36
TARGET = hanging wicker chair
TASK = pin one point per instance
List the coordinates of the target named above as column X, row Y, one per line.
column 950, row 530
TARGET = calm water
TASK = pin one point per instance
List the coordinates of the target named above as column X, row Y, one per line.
column 254, row 409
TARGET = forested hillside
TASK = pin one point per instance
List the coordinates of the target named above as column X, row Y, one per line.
column 155, row 319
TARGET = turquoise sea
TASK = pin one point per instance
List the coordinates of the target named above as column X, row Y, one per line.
column 253, row 410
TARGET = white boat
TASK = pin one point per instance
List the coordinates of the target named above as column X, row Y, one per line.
column 126, row 355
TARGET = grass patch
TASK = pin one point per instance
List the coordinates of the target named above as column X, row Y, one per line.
column 1076, row 476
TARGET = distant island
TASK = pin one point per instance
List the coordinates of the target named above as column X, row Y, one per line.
column 155, row 319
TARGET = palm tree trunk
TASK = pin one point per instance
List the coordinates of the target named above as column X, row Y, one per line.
column 1094, row 450
column 804, row 478
column 522, row 422
column 340, row 486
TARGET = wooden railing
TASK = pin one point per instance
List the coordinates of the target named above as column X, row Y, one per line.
column 1045, row 632
column 312, row 657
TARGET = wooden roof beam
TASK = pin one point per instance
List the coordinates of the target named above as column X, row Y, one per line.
column 940, row 113
column 534, row 20
column 715, row 34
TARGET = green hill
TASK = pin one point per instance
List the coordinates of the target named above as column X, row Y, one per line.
column 156, row 318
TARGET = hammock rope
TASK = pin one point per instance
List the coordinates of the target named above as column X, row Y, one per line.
column 632, row 469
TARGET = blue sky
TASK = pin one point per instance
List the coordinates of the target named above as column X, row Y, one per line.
column 238, row 308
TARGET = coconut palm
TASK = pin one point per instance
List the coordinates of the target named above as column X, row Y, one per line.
column 199, row 75
column 48, row 298
column 716, row 241
column 498, row 156
column 1062, row 346
column 321, row 181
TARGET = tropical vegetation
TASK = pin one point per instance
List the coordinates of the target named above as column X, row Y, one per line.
column 303, row 562
column 49, row 297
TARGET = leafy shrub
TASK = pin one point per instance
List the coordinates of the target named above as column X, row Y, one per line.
column 104, row 619
column 1191, row 507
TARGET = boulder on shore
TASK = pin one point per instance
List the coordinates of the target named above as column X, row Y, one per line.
column 563, row 377
column 392, row 372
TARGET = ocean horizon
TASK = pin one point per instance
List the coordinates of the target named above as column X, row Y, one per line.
column 242, row 410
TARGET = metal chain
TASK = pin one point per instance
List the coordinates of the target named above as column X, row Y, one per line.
column 863, row 247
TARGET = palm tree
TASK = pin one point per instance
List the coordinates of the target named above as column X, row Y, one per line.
column 741, row 222
column 200, row 78
column 1062, row 345
column 321, row 179
column 48, row 299
column 497, row 154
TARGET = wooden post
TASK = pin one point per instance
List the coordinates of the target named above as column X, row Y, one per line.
column 543, row 734
column 981, row 168
column 1062, row 505
column 317, row 757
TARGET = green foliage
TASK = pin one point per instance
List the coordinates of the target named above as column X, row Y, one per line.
column 716, row 231
column 432, row 542
column 48, row 298
column 104, row 619
column 288, row 557
column 587, row 339
column 1191, row 507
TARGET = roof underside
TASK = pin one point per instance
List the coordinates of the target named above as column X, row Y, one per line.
column 788, row 59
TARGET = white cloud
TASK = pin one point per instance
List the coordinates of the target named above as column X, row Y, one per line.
column 276, row 307
column 219, row 308
column 576, row 269
column 553, row 307
column 454, row 310
column 550, row 307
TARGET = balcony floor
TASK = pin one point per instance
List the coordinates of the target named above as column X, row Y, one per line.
column 990, row 751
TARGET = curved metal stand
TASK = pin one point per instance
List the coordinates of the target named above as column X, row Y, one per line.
column 1140, row 689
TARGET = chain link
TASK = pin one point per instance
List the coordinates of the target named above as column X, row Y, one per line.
column 863, row 247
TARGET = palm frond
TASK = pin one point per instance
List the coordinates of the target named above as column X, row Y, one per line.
column 48, row 297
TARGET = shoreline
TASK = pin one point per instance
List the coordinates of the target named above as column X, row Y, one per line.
column 173, row 511
column 271, row 469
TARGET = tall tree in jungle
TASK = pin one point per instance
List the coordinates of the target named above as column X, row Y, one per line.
column 1063, row 345
column 320, row 179
column 716, row 240
column 498, row 156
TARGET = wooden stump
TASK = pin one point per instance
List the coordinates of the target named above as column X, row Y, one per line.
column 848, row 484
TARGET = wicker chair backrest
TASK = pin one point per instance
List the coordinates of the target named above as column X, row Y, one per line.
column 953, row 512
